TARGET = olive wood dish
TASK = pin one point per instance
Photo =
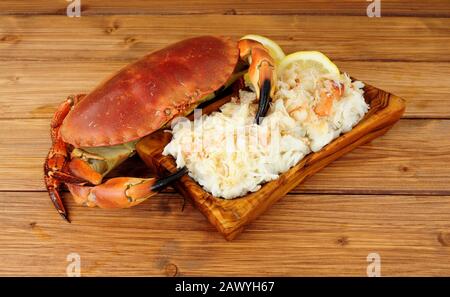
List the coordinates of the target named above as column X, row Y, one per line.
column 231, row 216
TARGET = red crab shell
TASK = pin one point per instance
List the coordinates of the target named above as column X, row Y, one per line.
column 145, row 95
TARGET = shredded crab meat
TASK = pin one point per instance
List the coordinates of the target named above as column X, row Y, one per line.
column 230, row 156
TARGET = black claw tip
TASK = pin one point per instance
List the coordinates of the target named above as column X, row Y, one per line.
column 264, row 100
column 57, row 202
column 64, row 216
column 163, row 182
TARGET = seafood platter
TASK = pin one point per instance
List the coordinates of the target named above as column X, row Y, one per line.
column 232, row 125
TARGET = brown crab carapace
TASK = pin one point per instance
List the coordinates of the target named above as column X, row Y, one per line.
column 94, row 133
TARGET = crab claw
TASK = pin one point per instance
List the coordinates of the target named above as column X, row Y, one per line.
column 121, row 192
column 261, row 72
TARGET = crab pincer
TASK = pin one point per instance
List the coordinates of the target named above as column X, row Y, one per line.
column 262, row 73
column 121, row 192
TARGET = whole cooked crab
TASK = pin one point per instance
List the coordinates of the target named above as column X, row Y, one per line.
column 94, row 133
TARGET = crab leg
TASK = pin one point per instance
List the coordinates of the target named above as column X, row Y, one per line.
column 261, row 72
column 55, row 170
column 121, row 192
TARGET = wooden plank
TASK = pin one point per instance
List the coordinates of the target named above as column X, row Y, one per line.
column 346, row 7
column 122, row 38
column 300, row 235
column 407, row 156
column 423, row 85
column 33, row 89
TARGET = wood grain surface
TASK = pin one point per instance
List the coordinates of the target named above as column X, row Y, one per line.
column 391, row 196
column 227, row 7
column 300, row 235
column 125, row 38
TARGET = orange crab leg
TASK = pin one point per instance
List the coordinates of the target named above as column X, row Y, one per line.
column 82, row 169
column 121, row 192
column 261, row 72
column 55, row 171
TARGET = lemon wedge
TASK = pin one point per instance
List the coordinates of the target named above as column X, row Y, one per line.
column 309, row 59
column 274, row 49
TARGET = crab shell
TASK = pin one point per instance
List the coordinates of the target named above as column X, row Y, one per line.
column 142, row 97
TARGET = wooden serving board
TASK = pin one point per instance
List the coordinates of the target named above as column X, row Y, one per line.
column 231, row 216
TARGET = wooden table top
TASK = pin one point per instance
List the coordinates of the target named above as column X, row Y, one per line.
column 390, row 197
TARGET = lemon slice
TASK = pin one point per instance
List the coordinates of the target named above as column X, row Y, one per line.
column 309, row 59
column 274, row 49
